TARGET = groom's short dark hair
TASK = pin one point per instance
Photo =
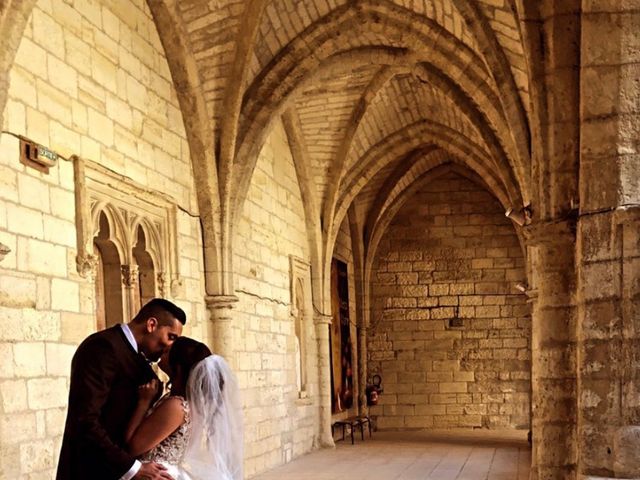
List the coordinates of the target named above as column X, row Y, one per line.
column 164, row 310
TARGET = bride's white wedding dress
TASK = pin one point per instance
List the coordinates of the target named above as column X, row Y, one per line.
column 171, row 451
column 208, row 445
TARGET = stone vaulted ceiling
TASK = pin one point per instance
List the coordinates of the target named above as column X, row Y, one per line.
column 376, row 93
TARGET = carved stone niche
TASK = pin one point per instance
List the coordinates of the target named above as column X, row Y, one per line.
column 300, row 278
column 302, row 315
column 138, row 225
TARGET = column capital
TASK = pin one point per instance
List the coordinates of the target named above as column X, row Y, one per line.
column 221, row 324
column 177, row 286
column 130, row 274
column 216, row 302
column 322, row 318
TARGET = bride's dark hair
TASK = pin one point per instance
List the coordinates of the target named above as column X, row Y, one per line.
column 185, row 353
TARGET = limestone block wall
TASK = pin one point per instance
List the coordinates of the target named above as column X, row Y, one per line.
column 608, row 244
column 609, row 296
column 94, row 82
column 278, row 424
column 450, row 253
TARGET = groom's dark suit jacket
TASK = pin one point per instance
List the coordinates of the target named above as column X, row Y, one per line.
column 105, row 374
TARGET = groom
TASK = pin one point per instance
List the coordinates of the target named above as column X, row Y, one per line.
column 106, row 371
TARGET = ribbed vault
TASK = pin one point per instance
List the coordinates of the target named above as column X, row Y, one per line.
column 369, row 86
column 324, row 109
column 431, row 166
column 418, row 79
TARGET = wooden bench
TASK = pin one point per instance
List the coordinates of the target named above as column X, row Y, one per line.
column 353, row 422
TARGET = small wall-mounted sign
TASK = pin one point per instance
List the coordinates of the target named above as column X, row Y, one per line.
column 36, row 156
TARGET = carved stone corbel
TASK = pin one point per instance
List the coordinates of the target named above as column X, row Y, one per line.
column 87, row 265
column 162, row 283
column 177, row 287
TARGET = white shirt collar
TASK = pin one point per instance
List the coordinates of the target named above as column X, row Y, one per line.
column 129, row 334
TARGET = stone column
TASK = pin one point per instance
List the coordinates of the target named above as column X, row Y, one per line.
column 220, row 331
column 130, row 278
column 322, row 323
column 362, row 370
column 553, row 349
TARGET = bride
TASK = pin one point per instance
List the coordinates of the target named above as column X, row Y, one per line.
column 195, row 430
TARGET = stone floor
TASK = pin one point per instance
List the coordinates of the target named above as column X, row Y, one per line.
column 433, row 455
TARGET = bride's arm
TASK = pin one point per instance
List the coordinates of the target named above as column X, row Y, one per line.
column 146, row 394
column 150, row 431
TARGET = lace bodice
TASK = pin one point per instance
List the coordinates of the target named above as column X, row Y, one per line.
column 171, row 450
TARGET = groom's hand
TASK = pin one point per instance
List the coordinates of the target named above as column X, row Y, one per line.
column 152, row 471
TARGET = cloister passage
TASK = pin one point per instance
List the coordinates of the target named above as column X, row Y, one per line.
column 436, row 198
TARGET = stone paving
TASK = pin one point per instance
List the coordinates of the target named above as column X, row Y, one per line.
column 424, row 455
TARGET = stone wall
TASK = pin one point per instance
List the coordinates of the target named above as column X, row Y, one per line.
column 279, row 424
column 608, row 243
column 449, row 332
column 93, row 82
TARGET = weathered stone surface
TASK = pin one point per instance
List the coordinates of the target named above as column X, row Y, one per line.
column 475, row 352
column 626, row 451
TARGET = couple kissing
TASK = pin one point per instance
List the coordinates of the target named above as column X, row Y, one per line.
column 119, row 425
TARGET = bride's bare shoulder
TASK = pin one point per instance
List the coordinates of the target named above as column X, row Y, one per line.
column 169, row 410
column 171, row 403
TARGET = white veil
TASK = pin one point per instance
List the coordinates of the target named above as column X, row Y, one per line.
column 215, row 450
